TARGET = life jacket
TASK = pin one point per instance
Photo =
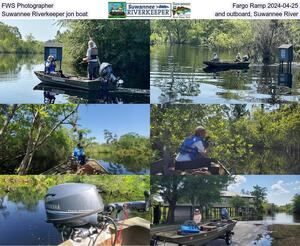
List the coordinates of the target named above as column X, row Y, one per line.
column 78, row 153
column 94, row 53
column 224, row 213
column 188, row 148
column 52, row 67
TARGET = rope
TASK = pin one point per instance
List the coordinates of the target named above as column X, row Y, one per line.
column 125, row 217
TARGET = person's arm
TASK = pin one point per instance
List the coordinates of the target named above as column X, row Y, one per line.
column 200, row 147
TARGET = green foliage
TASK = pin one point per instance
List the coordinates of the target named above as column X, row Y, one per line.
column 237, row 202
column 296, row 204
column 259, row 38
column 247, row 140
column 124, row 44
column 11, row 41
column 260, row 194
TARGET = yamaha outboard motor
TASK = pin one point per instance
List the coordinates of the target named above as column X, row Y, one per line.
column 78, row 212
column 73, row 204
column 106, row 74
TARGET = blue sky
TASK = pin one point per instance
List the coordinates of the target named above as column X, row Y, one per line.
column 119, row 119
column 42, row 30
column 280, row 188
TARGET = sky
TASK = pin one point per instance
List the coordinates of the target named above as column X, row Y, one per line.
column 42, row 30
column 280, row 188
column 119, row 119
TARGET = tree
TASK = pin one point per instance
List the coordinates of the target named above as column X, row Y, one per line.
column 237, row 202
column 296, row 204
column 260, row 194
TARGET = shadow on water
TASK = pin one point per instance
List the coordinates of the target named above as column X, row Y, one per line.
column 18, row 84
column 178, row 75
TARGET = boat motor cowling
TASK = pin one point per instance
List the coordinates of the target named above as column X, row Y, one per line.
column 73, row 204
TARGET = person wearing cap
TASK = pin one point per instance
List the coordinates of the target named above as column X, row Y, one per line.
column 197, row 216
column 92, row 59
column 193, row 147
column 215, row 57
column 50, row 65
column 238, row 57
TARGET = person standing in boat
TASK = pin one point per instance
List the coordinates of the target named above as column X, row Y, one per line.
column 79, row 154
column 92, row 60
column 224, row 214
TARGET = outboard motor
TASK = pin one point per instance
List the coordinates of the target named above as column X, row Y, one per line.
column 73, row 204
column 78, row 212
column 106, row 74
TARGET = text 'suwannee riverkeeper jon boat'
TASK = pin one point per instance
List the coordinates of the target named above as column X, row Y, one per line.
column 227, row 65
column 208, row 232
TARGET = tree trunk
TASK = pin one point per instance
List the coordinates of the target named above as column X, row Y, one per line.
column 10, row 115
column 171, row 213
column 31, row 143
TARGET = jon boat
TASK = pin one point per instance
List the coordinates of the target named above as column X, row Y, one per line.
column 209, row 231
column 227, row 65
column 134, row 231
column 70, row 167
column 74, row 82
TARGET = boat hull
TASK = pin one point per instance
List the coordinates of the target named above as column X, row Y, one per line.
column 73, row 82
column 169, row 234
column 227, row 65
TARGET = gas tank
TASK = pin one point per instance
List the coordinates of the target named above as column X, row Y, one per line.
column 73, row 204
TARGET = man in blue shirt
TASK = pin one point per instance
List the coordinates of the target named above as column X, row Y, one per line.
column 79, row 154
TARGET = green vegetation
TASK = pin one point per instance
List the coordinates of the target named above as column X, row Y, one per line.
column 259, row 38
column 11, row 41
column 199, row 191
column 256, row 140
column 260, row 196
column 124, row 44
column 285, row 234
column 296, row 204
column 237, row 202
column 30, row 189
column 34, row 138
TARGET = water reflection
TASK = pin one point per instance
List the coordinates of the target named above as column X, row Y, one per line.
column 18, row 84
column 178, row 75
column 282, row 218
column 130, row 164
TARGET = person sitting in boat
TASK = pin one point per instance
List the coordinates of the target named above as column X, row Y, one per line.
column 224, row 214
column 238, row 57
column 215, row 57
column 197, row 216
column 92, row 60
column 50, row 65
column 192, row 147
column 79, row 154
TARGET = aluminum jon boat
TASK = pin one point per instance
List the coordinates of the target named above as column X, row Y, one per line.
column 75, row 82
column 209, row 231
column 227, row 65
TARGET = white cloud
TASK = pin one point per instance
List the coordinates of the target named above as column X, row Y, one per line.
column 278, row 188
column 239, row 180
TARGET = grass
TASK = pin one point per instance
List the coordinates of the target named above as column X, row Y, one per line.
column 285, row 235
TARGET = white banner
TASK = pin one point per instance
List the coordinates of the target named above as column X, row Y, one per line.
column 149, row 9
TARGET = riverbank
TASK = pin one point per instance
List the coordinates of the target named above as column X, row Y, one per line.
column 285, row 234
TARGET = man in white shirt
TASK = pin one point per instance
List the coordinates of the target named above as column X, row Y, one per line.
column 92, row 59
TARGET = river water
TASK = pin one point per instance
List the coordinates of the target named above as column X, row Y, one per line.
column 178, row 75
column 18, row 84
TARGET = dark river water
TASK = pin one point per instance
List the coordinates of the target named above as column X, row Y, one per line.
column 178, row 75
column 18, row 84
column 120, row 169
